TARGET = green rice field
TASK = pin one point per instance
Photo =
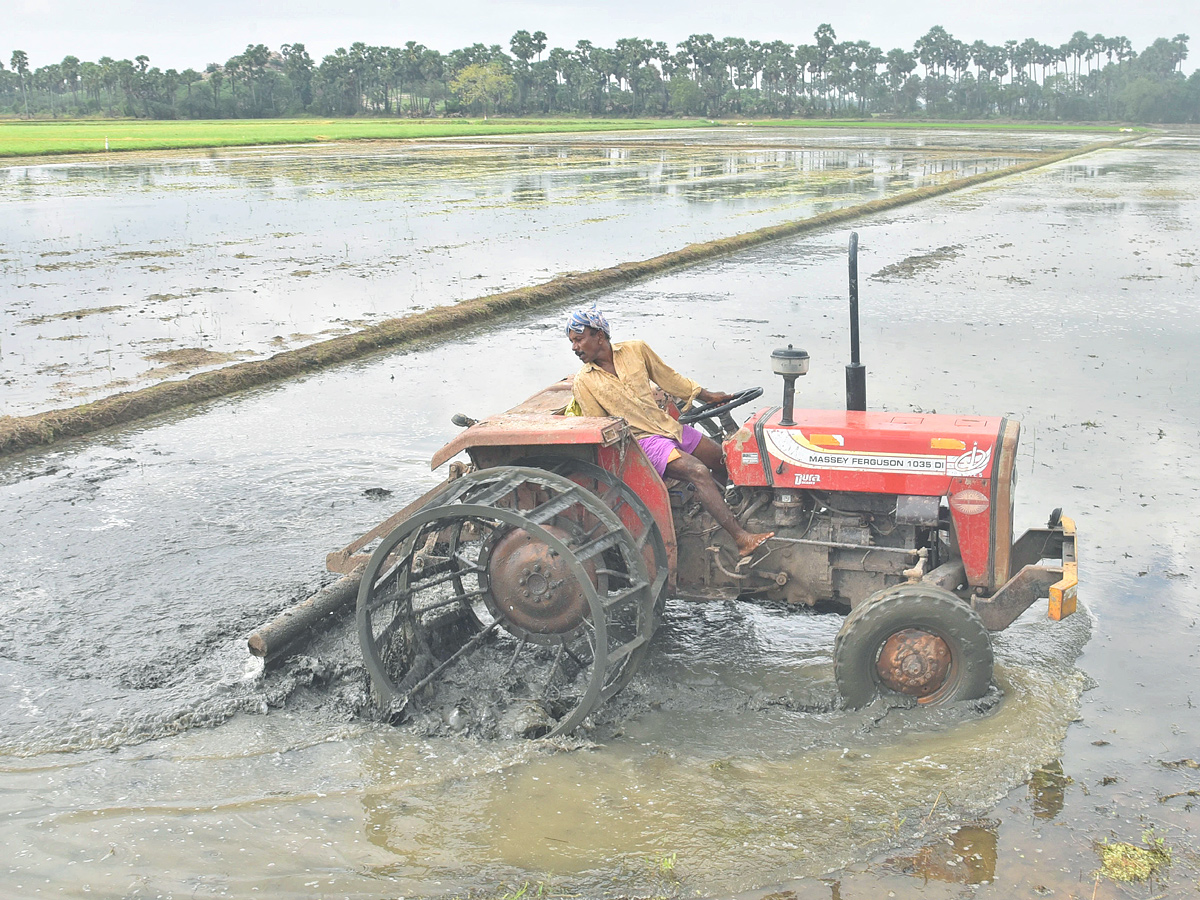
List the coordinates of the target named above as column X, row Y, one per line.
column 114, row 135
column 18, row 138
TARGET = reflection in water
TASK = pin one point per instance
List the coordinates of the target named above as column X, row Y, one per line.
column 968, row 856
column 423, row 173
column 1046, row 787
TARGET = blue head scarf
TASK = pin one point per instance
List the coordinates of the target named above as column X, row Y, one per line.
column 588, row 317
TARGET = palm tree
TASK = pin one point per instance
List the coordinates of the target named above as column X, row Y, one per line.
column 70, row 74
column 630, row 56
column 934, row 49
column 20, row 64
column 1179, row 44
column 233, row 69
column 1122, row 49
column 298, row 65
column 91, row 76
column 215, row 77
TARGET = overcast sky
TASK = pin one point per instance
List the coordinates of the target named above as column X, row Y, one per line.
column 178, row 34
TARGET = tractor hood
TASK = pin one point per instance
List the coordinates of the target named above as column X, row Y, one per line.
column 847, row 450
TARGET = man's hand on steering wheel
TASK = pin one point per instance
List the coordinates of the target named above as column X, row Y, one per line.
column 706, row 396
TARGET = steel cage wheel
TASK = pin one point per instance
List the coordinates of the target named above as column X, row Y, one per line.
column 914, row 642
column 637, row 518
column 517, row 572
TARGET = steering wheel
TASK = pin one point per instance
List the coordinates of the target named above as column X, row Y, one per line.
column 719, row 407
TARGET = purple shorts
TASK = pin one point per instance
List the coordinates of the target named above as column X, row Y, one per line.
column 658, row 449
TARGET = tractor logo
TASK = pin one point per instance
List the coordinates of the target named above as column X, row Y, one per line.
column 969, row 502
column 973, row 462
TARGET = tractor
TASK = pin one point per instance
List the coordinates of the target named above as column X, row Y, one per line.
column 546, row 559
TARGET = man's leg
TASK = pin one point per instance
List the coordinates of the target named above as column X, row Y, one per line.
column 689, row 468
column 710, row 453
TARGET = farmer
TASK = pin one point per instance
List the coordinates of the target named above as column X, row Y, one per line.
column 615, row 381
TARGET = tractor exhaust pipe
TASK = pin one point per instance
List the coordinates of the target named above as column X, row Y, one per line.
column 856, row 372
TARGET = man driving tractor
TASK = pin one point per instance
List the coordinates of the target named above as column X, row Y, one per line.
column 616, row 381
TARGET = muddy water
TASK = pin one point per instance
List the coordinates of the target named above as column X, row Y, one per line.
column 118, row 272
column 143, row 754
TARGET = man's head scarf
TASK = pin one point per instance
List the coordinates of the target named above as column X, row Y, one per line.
column 587, row 317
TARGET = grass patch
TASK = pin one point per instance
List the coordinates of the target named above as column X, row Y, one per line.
column 19, row 138
column 1127, row 863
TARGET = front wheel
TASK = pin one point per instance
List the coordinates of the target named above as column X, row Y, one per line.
column 913, row 641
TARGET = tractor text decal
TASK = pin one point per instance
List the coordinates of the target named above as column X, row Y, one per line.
column 792, row 446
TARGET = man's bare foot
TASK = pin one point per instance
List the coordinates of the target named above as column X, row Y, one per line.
column 752, row 542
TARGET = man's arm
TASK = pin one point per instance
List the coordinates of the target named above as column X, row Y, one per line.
column 668, row 379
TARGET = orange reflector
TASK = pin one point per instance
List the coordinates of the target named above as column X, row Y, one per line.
column 947, row 444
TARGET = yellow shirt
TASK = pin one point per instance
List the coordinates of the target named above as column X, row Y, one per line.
column 628, row 394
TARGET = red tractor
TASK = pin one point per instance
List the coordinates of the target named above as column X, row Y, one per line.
column 545, row 561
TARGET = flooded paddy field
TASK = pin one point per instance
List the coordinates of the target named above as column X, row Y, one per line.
column 123, row 270
column 142, row 752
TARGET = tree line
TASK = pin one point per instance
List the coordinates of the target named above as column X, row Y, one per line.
column 1089, row 78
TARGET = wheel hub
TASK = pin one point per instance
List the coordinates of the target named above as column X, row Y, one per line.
column 914, row 662
column 533, row 588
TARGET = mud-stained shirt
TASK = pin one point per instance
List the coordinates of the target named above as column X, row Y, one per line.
column 629, row 395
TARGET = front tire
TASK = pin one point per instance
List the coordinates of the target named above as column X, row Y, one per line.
column 912, row 642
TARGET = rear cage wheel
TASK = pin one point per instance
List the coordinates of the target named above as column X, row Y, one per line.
column 518, row 582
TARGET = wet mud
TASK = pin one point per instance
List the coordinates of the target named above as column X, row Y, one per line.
column 143, row 751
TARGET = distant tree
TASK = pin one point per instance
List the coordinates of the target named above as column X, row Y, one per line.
column 233, row 71
column 69, row 68
column 298, row 66
column 483, row 83
column 1089, row 77
column 20, row 64
column 826, row 40
column 1160, row 59
column 215, row 76
column 187, row 78
column 522, row 46
column 1179, row 43
column 932, row 50
column 91, row 79
column 865, row 62
column 254, row 60
column 630, row 56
